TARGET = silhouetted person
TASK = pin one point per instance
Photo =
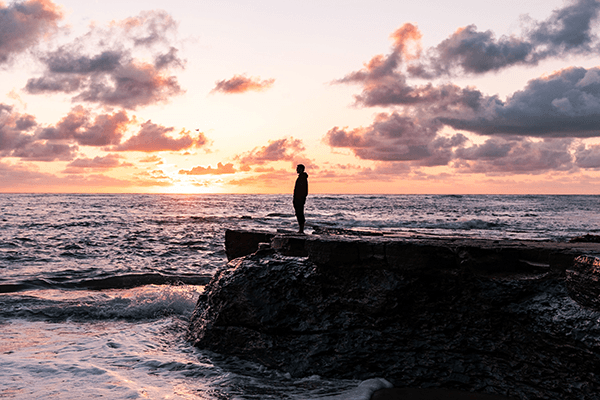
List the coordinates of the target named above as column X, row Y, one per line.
column 300, row 193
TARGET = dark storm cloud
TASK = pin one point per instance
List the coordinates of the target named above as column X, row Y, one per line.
column 286, row 149
column 469, row 51
column 49, row 84
column 24, row 24
column 472, row 51
column 45, row 151
column 394, row 137
column 102, row 66
column 516, row 156
column 132, row 86
column 568, row 28
column 14, row 130
column 19, row 139
column 219, row 170
column 558, row 109
column 588, row 157
column 64, row 62
column 81, row 165
column 567, row 31
column 153, row 137
column 241, row 84
column 88, row 130
column 564, row 104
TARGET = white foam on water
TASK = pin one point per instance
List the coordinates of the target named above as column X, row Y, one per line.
column 113, row 360
column 144, row 302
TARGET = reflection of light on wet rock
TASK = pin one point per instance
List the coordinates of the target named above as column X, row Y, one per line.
column 583, row 281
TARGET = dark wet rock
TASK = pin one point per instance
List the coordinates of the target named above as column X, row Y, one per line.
column 431, row 394
column 503, row 318
column 583, row 281
column 241, row 243
column 587, row 238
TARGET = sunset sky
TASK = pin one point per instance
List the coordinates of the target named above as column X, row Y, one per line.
column 227, row 96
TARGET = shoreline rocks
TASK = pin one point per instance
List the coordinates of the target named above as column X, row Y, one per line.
column 496, row 317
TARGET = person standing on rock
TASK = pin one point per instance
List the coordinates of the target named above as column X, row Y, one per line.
column 300, row 193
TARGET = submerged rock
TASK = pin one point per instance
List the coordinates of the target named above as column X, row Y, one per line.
column 496, row 318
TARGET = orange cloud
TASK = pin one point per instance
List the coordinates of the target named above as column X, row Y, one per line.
column 407, row 41
column 219, row 170
column 286, row 149
column 241, row 84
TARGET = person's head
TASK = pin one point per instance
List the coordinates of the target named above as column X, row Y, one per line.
column 300, row 168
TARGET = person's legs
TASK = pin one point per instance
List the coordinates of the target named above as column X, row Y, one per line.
column 299, row 209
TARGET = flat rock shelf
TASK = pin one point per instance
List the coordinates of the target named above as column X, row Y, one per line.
column 519, row 319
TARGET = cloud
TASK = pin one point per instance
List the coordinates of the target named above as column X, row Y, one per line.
column 153, row 137
column 467, row 52
column 561, row 108
column 105, row 67
column 241, row 84
column 152, row 159
column 24, row 24
column 40, row 151
column 81, row 165
column 286, row 149
column 78, row 126
column 148, row 28
column 525, row 156
column 563, row 104
column 567, row 31
column 219, row 170
column 14, row 128
column 18, row 139
column 398, row 140
column 21, row 136
column 588, row 157
column 396, row 137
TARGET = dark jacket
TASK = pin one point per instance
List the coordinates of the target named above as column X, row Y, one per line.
column 301, row 188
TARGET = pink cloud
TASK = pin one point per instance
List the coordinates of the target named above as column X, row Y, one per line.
column 81, row 165
column 81, row 126
column 23, row 25
column 153, row 137
column 14, row 130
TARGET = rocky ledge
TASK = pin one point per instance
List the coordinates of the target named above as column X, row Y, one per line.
column 513, row 318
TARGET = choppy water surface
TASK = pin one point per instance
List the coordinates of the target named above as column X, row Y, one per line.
column 96, row 290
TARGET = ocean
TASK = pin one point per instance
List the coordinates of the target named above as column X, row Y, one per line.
column 96, row 290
